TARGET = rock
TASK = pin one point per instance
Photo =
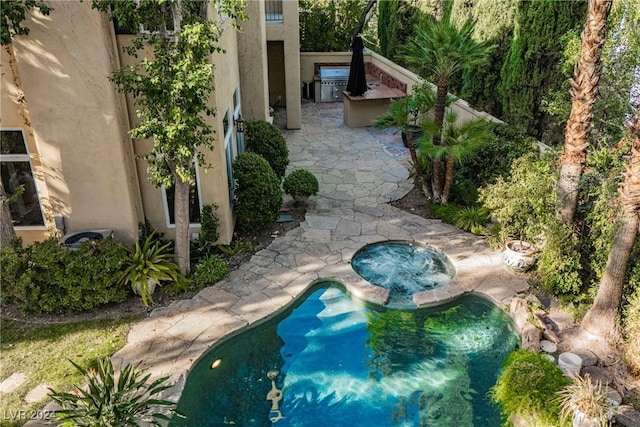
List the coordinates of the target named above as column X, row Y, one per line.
column 614, row 397
column 588, row 357
column 539, row 316
column 519, row 312
column 534, row 300
column 530, row 337
column 37, row 394
column 520, row 318
column 597, row 374
column 517, row 303
column 548, row 334
column 548, row 346
column 627, row 416
column 14, row 381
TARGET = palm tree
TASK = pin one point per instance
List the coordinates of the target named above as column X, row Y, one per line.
column 600, row 320
column 459, row 142
column 404, row 113
column 439, row 51
column 584, row 88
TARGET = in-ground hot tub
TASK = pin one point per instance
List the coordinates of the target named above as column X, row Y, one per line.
column 404, row 268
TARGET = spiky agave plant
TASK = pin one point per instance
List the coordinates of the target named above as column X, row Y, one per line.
column 126, row 399
column 148, row 265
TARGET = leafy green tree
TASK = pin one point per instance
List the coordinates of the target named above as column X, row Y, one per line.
column 171, row 89
column 494, row 22
column 328, row 25
column 440, row 51
column 459, row 142
column 397, row 21
column 14, row 13
column 532, row 65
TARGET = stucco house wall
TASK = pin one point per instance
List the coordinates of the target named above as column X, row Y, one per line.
column 80, row 151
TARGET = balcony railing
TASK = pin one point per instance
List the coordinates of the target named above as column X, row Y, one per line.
column 273, row 11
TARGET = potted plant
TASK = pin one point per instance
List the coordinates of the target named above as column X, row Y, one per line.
column 148, row 265
column 300, row 184
column 585, row 402
column 418, row 104
column 519, row 255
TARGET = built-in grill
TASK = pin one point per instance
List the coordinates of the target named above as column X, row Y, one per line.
column 333, row 80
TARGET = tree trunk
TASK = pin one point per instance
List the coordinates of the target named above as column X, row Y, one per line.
column 448, row 178
column 181, row 217
column 437, row 178
column 6, row 222
column 600, row 320
column 584, row 88
column 414, row 158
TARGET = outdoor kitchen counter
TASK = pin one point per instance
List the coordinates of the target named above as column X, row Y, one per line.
column 363, row 110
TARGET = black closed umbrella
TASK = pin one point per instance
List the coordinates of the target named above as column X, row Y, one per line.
column 357, row 84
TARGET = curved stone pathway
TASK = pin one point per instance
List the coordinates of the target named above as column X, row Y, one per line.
column 360, row 171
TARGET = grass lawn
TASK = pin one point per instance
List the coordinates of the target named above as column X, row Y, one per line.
column 41, row 352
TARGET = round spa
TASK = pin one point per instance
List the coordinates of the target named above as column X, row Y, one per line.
column 404, row 268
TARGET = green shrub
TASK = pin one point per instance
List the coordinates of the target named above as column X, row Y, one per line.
column 58, row 280
column 210, row 271
column 471, row 219
column 258, row 194
column 266, row 139
column 13, row 263
column 526, row 388
column 496, row 157
column 558, row 268
column 525, row 201
column 300, row 183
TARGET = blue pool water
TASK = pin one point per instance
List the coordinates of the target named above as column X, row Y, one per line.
column 335, row 361
column 404, row 268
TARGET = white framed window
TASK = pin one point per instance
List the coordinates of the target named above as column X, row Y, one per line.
column 230, row 153
column 195, row 204
column 17, row 172
column 237, row 113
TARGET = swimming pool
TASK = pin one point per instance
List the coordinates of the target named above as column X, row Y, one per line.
column 332, row 360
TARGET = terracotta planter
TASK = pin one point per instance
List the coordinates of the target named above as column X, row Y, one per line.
column 519, row 255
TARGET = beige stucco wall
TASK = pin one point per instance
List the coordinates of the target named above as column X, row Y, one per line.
column 288, row 32
column 252, row 59
column 80, row 150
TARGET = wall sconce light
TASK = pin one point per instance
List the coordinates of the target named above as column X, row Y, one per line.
column 239, row 124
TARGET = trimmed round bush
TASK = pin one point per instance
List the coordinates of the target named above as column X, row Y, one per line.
column 300, row 183
column 258, row 196
column 528, row 387
column 266, row 139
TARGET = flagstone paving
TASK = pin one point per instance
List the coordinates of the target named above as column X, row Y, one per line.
column 359, row 171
